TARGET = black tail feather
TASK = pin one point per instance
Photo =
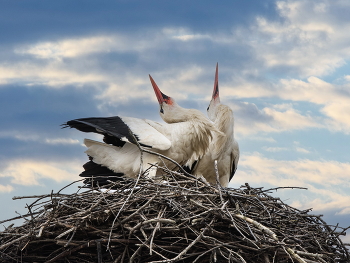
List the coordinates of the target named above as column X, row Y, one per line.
column 98, row 175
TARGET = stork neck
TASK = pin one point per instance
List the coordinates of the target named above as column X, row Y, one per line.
column 224, row 120
column 175, row 114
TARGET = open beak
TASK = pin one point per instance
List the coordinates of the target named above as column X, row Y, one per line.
column 215, row 95
column 160, row 96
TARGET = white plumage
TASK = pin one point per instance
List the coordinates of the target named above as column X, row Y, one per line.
column 225, row 148
column 185, row 137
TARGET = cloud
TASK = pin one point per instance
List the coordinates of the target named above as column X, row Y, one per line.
column 339, row 114
column 275, row 118
column 35, row 137
column 261, row 138
column 333, row 99
column 313, row 90
column 328, row 200
column 184, row 34
column 78, row 61
column 300, row 40
column 327, row 181
column 275, row 149
column 281, row 149
column 116, row 42
column 345, row 211
column 52, row 74
column 6, row 188
column 27, row 172
column 309, row 40
column 328, row 105
column 75, row 47
column 62, row 141
column 70, row 61
column 301, row 150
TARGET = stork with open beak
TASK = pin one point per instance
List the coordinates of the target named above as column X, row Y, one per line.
column 225, row 148
column 185, row 138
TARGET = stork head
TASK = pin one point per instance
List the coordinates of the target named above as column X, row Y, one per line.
column 168, row 108
column 215, row 99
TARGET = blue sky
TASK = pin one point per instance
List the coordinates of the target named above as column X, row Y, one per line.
column 283, row 68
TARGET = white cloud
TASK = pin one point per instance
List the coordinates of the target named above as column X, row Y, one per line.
column 52, row 74
column 62, row 141
column 67, row 62
column 82, row 46
column 6, row 188
column 340, row 116
column 28, row 136
column 313, row 90
column 334, row 99
column 345, row 211
column 301, row 150
column 261, row 138
column 275, row 149
column 290, row 119
column 176, row 83
column 76, row 47
column 276, row 118
column 183, row 34
column 309, row 38
column 327, row 181
column 27, row 172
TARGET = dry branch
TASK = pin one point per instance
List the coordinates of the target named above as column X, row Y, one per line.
column 175, row 218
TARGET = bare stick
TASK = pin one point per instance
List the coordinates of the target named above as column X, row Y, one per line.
column 295, row 256
column 259, row 226
column 13, row 241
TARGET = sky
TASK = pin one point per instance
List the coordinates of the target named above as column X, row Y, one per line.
column 283, row 69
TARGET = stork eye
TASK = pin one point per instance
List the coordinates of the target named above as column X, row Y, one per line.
column 161, row 110
column 208, row 108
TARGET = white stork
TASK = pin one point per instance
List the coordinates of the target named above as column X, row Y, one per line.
column 185, row 137
column 225, row 148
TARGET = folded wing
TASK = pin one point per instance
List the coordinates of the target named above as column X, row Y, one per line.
column 122, row 129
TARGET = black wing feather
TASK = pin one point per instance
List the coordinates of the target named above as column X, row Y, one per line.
column 233, row 168
column 110, row 127
column 233, row 171
column 191, row 169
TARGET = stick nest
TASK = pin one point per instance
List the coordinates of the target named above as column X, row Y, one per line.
column 173, row 219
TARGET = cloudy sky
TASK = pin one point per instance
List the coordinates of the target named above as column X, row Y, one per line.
column 283, row 68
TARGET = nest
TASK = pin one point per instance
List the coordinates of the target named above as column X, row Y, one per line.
column 173, row 219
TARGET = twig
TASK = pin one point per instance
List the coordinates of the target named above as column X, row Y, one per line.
column 13, row 241
column 259, row 226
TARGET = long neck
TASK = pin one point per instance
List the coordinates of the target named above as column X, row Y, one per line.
column 176, row 114
column 224, row 122
column 202, row 133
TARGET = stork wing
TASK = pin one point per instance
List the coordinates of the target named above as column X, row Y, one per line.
column 126, row 129
column 234, row 158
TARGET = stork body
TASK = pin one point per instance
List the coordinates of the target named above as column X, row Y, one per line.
column 185, row 137
column 225, row 148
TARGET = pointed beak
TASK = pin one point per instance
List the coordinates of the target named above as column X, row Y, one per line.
column 160, row 96
column 215, row 95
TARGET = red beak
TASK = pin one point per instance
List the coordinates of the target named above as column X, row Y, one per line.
column 160, row 96
column 216, row 84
